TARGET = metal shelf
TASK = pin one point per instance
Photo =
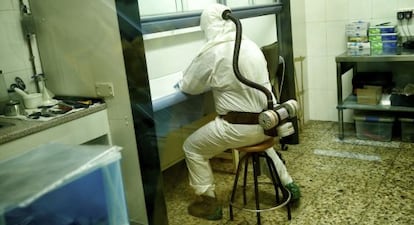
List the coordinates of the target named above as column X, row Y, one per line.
column 348, row 61
column 351, row 103
column 400, row 55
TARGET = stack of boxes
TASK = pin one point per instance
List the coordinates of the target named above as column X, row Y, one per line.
column 357, row 38
column 363, row 39
column 383, row 39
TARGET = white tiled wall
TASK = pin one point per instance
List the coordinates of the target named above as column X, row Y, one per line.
column 14, row 51
column 325, row 38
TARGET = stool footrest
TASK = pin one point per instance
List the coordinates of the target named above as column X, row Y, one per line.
column 276, row 183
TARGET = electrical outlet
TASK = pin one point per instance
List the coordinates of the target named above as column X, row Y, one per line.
column 408, row 14
column 400, row 15
column 104, row 89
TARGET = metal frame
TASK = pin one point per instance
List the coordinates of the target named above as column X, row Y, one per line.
column 156, row 24
column 345, row 63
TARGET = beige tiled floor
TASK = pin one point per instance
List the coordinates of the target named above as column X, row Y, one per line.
column 342, row 182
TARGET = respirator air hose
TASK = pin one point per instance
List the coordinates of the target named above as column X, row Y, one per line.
column 228, row 15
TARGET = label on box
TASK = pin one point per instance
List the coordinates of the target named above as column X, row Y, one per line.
column 356, row 33
column 358, row 45
column 359, row 25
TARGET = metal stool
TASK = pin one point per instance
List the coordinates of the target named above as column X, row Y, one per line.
column 254, row 152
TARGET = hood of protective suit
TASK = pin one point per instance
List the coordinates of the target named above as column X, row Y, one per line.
column 215, row 28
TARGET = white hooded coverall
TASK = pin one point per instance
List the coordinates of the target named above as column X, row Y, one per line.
column 212, row 69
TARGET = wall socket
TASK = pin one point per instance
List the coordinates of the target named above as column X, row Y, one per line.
column 408, row 14
column 404, row 14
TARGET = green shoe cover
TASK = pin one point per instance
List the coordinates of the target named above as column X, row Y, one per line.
column 294, row 191
column 207, row 208
column 218, row 215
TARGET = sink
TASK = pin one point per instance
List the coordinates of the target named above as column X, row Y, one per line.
column 5, row 124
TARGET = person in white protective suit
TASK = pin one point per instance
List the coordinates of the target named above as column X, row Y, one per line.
column 212, row 69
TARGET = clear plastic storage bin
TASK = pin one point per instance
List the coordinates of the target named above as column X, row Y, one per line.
column 407, row 129
column 63, row 185
column 378, row 128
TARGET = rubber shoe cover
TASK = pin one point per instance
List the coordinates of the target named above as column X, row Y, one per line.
column 294, row 190
column 207, row 208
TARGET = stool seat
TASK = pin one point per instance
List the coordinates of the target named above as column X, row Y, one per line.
column 254, row 152
column 262, row 146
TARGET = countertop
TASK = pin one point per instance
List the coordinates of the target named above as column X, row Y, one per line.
column 22, row 128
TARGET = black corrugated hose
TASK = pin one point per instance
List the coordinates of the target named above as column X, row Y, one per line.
column 228, row 15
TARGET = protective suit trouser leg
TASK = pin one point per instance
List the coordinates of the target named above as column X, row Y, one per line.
column 213, row 139
column 285, row 178
column 200, row 174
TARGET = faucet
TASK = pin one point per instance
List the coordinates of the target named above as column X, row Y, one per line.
column 38, row 78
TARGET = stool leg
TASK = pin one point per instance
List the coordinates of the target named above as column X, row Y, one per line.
column 269, row 163
column 236, row 159
column 275, row 176
column 233, row 192
column 288, row 211
column 246, row 166
column 256, row 188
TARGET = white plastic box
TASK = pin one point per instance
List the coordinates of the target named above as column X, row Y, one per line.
column 377, row 128
column 63, row 185
column 407, row 129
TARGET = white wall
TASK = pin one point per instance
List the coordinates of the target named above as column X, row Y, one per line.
column 325, row 38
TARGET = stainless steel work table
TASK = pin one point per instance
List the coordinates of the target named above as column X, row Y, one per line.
column 347, row 61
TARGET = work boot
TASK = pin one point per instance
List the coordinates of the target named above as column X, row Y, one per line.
column 207, row 208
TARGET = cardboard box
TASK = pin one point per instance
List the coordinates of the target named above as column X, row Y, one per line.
column 382, row 29
column 369, row 95
column 383, row 37
column 358, row 25
column 358, row 45
column 358, row 39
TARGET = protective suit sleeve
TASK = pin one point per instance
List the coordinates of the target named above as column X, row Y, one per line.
column 196, row 78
